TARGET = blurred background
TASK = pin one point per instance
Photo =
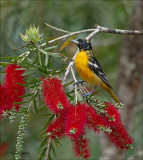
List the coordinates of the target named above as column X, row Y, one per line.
column 120, row 56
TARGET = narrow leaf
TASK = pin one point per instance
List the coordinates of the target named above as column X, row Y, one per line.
column 28, row 72
column 67, row 42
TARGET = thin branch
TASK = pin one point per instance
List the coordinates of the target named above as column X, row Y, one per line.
column 74, row 85
column 58, row 29
column 67, row 58
column 97, row 30
column 69, row 67
column 68, row 35
column 48, row 148
column 120, row 31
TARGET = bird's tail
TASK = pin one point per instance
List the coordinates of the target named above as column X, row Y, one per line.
column 113, row 96
column 109, row 90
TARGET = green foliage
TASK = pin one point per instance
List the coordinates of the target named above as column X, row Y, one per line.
column 32, row 34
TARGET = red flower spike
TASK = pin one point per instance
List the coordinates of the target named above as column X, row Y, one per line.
column 93, row 119
column 10, row 89
column 113, row 117
column 54, row 95
column 119, row 136
column 57, row 127
column 80, row 147
column 2, row 99
column 75, row 120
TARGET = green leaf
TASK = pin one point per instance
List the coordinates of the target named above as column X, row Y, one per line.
column 50, row 48
column 47, row 40
column 40, row 59
column 53, row 149
column 24, row 37
column 67, row 42
column 49, row 53
column 51, row 118
column 21, row 69
column 27, row 72
column 45, row 141
column 21, row 102
column 79, row 97
column 26, row 95
column 21, row 84
column 69, row 83
column 35, row 106
column 4, row 64
column 46, row 59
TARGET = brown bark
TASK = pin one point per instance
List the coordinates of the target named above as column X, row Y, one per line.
column 130, row 65
column 129, row 80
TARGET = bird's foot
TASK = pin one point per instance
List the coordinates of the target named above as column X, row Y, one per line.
column 89, row 93
column 80, row 81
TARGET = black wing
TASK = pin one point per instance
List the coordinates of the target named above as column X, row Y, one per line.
column 97, row 69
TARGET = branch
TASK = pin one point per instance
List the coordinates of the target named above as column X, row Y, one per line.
column 120, row 31
column 74, row 85
column 68, row 35
column 48, row 148
column 58, row 29
column 67, row 58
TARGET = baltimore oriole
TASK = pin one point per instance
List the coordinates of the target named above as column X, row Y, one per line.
column 89, row 69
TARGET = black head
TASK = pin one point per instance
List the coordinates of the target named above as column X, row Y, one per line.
column 83, row 44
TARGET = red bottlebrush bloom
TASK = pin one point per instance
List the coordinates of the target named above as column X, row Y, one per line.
column 93, row 119
column 75, row 120
column 119, row 136
column 54, row 95
column 11, row 90
column 2, row 99
column 57, row 127
column 113, row 116
column 80, row 147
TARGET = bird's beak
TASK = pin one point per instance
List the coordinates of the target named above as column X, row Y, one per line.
column 75, row 41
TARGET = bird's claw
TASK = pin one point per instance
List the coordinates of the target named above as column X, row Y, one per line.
column 80, row 81
column 87, row 94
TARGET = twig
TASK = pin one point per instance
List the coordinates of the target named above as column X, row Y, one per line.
column 69, row 67
column 48, row 148
column 58, row 29
column 68, row 35
column 97, row 30
column 49, row 145
column 70, row 59
column 120, row 31
column 74, row 85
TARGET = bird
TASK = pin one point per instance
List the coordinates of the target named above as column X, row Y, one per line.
column 89, row 68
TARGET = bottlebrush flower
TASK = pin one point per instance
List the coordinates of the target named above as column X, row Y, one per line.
column 75, row 120
column 80, row 147
column 119, row 135
column 54, row 95
column 10, row 89
column 112, row 115
column 94, row 120
column 3, row 101
column 57, row 127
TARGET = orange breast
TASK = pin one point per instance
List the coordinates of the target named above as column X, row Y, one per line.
column 81, row 64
